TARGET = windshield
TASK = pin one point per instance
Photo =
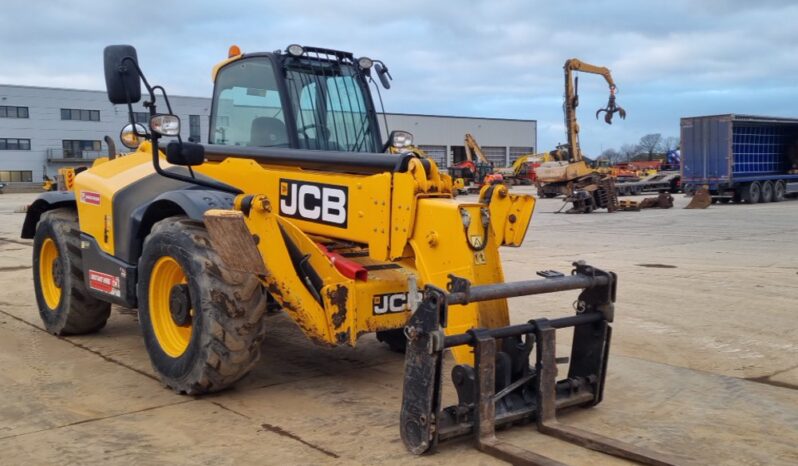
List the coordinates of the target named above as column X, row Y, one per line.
column 329, row 106
column 327, row 99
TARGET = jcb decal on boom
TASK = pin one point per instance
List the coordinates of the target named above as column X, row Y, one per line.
column 391, row 302
column 314, row 202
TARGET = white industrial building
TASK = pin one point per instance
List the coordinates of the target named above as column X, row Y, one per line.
column 42, row 129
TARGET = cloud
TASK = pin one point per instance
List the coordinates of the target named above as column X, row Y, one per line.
column 480, row 58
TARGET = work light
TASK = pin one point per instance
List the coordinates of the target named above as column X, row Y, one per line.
column 295, row 50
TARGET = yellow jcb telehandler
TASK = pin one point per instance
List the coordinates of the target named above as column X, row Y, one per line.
column 296, row 202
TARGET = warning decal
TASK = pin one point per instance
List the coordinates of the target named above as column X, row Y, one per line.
column 104, row 283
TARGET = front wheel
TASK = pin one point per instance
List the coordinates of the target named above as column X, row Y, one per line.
column 65, row 306
column 394, row 338
column 202, row 323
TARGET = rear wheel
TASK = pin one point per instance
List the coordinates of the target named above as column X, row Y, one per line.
column 751, row 193
column 65, row 305
column 766, row 192
column 779, row 191
column 202, row 323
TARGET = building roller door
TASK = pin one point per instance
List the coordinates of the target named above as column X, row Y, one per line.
column 496, row 154
column 436, row 153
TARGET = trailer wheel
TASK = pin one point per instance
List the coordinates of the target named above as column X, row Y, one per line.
column 202, row 323
column 751, row 193
column 779, row 191
column 766, row 194
column 65, row 306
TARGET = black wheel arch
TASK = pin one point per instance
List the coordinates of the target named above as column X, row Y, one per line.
column 46, row 201
column 192, row 203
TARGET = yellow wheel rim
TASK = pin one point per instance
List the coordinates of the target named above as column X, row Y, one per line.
column 172, row 338
column 50, row 273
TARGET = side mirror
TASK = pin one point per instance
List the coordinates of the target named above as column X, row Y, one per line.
column 187, row 154
column 122, row 80
column 383, row 74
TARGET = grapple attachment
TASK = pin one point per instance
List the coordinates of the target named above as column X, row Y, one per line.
column 611, row 109
column 502, row 387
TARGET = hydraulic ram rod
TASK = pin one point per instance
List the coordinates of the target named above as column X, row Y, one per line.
column 525, row 288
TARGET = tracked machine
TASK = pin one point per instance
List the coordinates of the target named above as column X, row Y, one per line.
column 569, row 174
column 296, row 203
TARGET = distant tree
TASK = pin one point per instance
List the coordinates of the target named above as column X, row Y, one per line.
column 670, row 143
column 627, row 151
column 611, row 155
column 650, row 144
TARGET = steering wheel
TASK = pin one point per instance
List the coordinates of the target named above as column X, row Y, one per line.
column 322, row 131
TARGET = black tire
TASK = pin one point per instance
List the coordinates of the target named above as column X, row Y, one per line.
column 766, row 192
column 74, row 312
column 675, row 185
column 737, row 197
column 395, row 339
column 227, row 310
column 751, row 192
column 779, row 191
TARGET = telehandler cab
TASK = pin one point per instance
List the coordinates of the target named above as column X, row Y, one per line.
column 296, row 203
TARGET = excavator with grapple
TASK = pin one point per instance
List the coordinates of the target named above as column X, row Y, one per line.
column 569, row 173
column 294, row 203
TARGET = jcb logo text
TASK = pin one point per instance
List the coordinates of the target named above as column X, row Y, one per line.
column 315, row 202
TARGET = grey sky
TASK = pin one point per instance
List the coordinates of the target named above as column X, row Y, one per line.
column 493, row 58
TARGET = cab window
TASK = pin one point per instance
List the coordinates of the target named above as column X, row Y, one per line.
column 247, row 109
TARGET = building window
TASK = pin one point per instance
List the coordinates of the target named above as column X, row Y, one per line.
column 194, row 128
column 142, row 117
column 16, row 176
column 79, row 114
column 14, row 144
column 9, row 111
column 75, row 149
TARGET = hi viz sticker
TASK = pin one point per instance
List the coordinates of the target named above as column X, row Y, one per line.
column 104, row 283
column 88, row 197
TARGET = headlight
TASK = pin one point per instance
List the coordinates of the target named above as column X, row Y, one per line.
column 165, row 125
column 401, row 139
column 365, row 63
column 132, row 135
column 295, row 50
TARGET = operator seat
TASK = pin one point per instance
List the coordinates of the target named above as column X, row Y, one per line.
column 268, row 132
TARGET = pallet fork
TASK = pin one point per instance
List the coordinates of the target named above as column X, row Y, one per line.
column 502, row 388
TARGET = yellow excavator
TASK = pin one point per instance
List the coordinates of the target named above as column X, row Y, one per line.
column 569, row 174
column 520, row 172
column 469, row 175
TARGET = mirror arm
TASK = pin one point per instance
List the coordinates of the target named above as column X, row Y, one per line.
column 154, row 137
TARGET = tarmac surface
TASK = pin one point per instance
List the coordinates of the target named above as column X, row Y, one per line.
column 703, row 366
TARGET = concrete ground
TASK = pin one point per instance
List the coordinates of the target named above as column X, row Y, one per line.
column 704, row 360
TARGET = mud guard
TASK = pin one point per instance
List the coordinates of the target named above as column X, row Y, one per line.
column 44, row 202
